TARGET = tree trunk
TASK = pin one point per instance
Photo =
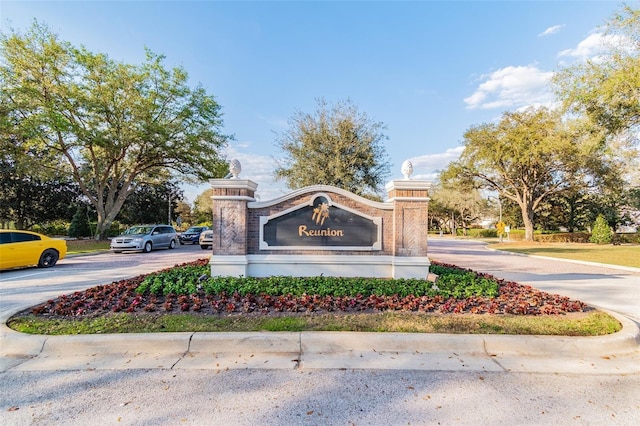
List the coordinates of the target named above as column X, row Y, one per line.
column 527, row 218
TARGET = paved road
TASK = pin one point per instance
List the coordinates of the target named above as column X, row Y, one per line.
column 614, row 289
column 22, row 288
column 448, row 388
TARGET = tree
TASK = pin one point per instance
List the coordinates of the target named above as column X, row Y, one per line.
column 606, row 87
column 183, row 211
column 29, row 197
column 336, row 146
column 149, row 203
column 116, row 125
column 601, row 233
column 527, row 157
column 459, row 207
column 79, row 226
column 202, row 206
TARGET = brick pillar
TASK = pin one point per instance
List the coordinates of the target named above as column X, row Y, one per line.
column 410, row 199
column 230, row 217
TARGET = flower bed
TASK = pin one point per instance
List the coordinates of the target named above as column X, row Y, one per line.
column 185, row 288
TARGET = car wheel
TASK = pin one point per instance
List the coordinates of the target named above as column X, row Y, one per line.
column 48, row 258
column 147, row 247
column 181, row 243
column 117, row 251
column 172, row 244
column 204, row 247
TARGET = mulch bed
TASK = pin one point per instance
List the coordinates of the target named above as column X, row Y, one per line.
column 120, row 296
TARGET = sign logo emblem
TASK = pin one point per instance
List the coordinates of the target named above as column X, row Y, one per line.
column 320, row 213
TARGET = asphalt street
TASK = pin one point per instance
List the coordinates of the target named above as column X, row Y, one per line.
column 344, row 379
column 613, row 288
column 22, row 288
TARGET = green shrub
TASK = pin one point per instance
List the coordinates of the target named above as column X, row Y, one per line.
column 601, row 233
column 55, row 228
column 627, row 238
column 563, row 237
column 483, row 233
column 79, row 226
column 452, row 282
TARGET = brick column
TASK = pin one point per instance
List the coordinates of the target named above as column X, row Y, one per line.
column 230, row 217
column 410, row 199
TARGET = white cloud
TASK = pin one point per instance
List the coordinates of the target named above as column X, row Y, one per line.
column 513, row 86
column 551, row 30
column 258, row 168
column 595, row 46
column 428, row 166
column 587, row 48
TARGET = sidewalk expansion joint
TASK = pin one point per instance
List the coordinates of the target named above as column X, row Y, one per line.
column 492, row 357
column 298, row 360
column 184, row 354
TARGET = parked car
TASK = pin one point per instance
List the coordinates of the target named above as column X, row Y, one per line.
column 206, row 239
column 26, row 248
column 192, row 235
column 145, row 238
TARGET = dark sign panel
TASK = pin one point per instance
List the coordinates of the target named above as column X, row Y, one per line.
column 320, row 225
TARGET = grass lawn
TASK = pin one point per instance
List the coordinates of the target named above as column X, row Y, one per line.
column 593, row 323
column 86, row 246
column 622, row 255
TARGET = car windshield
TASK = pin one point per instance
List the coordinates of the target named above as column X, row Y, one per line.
column 134, row 230
column 195, row 229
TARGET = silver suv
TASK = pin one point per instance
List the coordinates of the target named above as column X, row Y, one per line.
column 145, row 238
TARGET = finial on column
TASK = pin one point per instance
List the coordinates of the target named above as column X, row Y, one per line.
column 234, row 169
column 407, row 169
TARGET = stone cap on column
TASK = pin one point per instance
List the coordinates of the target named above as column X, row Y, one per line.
column 233, row 189
column 408, row 190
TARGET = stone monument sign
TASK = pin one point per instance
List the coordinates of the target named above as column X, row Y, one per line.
column 320, row 229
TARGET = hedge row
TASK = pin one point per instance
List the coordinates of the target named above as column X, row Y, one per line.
column 550, row 237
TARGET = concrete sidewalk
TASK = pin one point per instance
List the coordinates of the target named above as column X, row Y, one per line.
column 613, row 354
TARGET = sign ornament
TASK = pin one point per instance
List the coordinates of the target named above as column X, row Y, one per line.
column 320, row 213
column 407, row 169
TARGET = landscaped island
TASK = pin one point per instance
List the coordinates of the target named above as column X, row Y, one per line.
column 459, row 296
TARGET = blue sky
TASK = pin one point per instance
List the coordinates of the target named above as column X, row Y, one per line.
column 428, row 70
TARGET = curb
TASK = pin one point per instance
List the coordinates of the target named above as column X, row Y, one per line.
column 618, row 353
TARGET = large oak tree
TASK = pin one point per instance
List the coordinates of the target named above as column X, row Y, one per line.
column 337, row 145
column 113, row 124
column 528, row 156
column 606, row 89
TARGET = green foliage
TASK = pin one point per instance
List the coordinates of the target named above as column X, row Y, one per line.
column 79, row 226
column 29, row 196
column 482, row 233
column 563, row 237
column 526, row 157
column 451, row 282
column 595, row 323
column 336, row 146
column 117, row 125
column 601, row 233
column 627, row 238
column 53, row 228
column 149, row 203
column 202, row 208
column 606, row 90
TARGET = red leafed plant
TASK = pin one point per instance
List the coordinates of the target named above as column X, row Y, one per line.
column 121, row 296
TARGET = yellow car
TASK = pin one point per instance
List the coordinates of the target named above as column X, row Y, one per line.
column 26, row 248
